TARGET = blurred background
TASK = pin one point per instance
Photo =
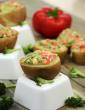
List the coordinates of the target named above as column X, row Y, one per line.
column 75, row 7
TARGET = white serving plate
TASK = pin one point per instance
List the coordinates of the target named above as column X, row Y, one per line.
column 9, row 64
column 25, row 36
column 47, row 97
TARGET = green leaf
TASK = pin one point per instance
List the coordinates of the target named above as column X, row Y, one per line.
column 28, row 48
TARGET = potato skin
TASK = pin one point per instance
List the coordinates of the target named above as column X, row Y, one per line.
column 78, row 52
column 63, row 55
column 78, row 58
column 16, row 16
column 46, row 72
column 8, row 42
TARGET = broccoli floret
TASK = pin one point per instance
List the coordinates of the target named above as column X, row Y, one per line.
column 40, row 81
column 2, row 89
column 75, row 102
column 5, row 102
column 74, row 72
column 27, row 49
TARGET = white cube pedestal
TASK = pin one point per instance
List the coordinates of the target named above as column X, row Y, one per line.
column 25, row 35
column 9, row 64
column 46, row 97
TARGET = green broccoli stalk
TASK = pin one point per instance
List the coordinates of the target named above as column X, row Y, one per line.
column 74, row 72
column 27, row 49
column 40, row 81
column 8, row 51
column 74, row 102
column 10, row 86
column 5, row 102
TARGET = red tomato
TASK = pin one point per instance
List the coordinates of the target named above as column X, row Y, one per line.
column 47, row 58
column 50, row 22
column 82, row 46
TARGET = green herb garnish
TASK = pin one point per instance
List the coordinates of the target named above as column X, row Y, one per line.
column 40, row 81
column 28, row 49
column 74, row 102
column 22, row 23
column 30, row 59
column 74, row 72
column 7, row 51
column 70, row 43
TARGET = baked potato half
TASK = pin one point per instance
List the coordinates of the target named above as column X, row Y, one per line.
column 42, row 64
column 8, row 38
column 12, row 13
column 68, row 37
column 78, row 52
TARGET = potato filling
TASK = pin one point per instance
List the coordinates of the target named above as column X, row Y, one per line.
column 8, row 7
column 6, row 32
column 79, row 46
column 68, row 37
column 40, row 57
column 51, row 45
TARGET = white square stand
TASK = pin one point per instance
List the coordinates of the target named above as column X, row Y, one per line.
column 9, row 64
column 25, row 35
column 46, row 97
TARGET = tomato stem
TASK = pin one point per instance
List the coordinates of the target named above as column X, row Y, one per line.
column 53, row 13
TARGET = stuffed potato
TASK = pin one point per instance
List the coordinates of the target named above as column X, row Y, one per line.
column 41, row 64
